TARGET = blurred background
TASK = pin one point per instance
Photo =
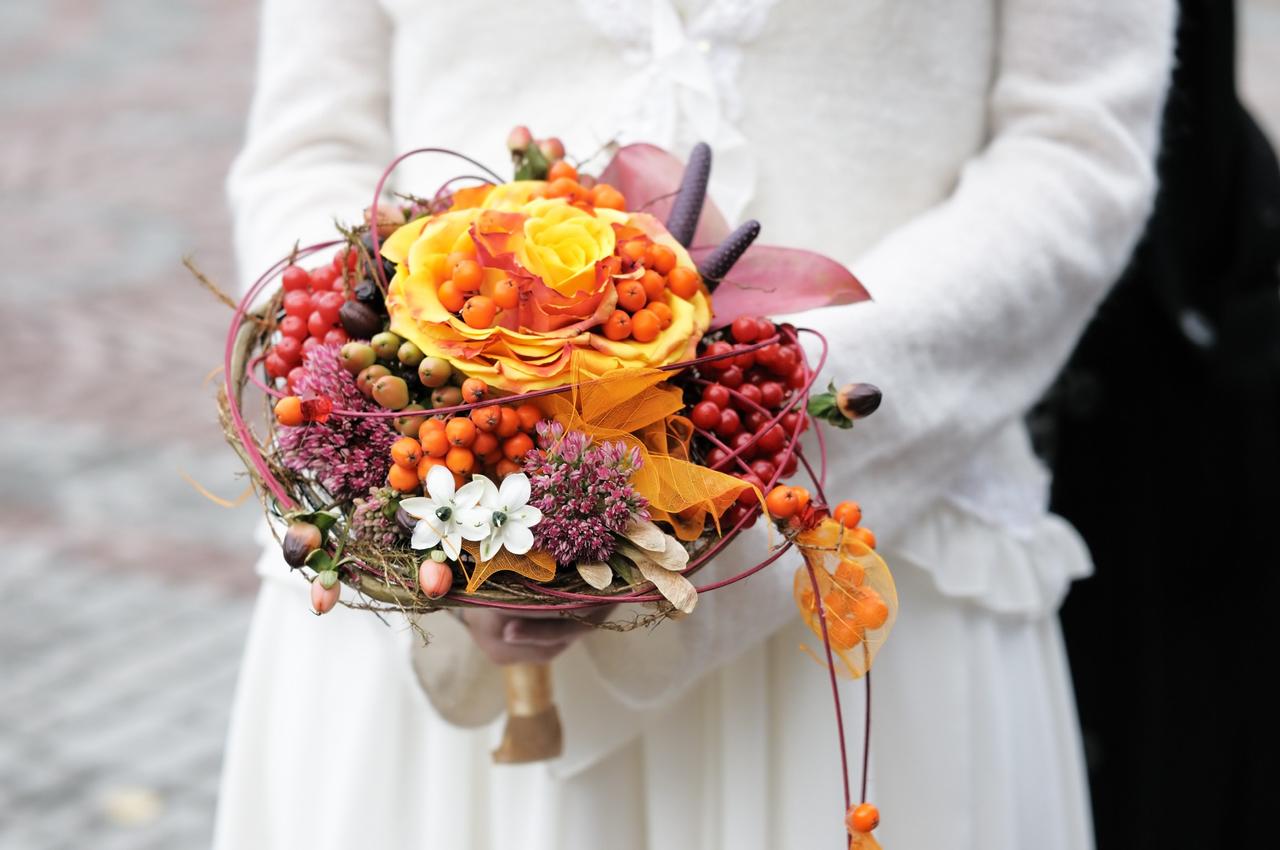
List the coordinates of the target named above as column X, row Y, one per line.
column 127, row 593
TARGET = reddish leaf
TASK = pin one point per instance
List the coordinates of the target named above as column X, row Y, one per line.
column 771, row 281
column 648, row 177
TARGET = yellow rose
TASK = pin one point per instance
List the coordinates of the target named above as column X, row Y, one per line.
column 563, row 243
column 552, row 252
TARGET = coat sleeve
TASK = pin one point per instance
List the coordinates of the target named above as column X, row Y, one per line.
column 319, row 130
column 318, row 139
column 979, row 301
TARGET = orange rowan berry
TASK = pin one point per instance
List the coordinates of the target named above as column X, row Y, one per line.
column 684, row 281
column 451, row 298
column 467, row 276
column 434, row 442
column 515, row 448
column 645, row 326
column 607, row 197
column 618, row 326
column 479, row 311
column 424, row 467
column 474, row 390
column 486, row 418
column 654, row 284
column 633, row 249
column 460, row 431
column 662, row 311
column 460, row 461
column 560, row 168
column 506, row 294
column 289, row 410
column 530, row 415
column 631, row 295
column 863, row 817
column 402, row 480
column 660, row 258
column 782, row 502
column 487, row 444
column 848, row 514
column 406, row 452
column 509, row 425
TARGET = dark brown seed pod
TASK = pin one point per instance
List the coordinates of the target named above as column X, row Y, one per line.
column 857, row 401
column 359, row 320
column 300, row 540
column 717, row 264
column 406, row 521
column 683, row 220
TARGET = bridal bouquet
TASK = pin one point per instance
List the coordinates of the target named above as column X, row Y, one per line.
column 553, row 393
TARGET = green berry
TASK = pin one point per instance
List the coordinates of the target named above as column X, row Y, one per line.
column 386, row 344
column 391, row 392
column 356, row 356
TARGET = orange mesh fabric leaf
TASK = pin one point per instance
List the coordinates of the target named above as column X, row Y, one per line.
column 863, row 841
column 858, row 596
column 536, row 565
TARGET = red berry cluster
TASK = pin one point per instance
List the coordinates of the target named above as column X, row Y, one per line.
column 312, row 301
column 744, row 393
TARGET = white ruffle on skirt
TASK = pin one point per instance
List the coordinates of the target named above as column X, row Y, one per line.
column 334, row 744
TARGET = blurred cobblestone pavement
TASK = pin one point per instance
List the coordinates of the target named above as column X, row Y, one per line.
column 127, row 594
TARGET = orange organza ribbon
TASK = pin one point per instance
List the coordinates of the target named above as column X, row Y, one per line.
column 858, row 596
column 536, row 565
column 634, row 406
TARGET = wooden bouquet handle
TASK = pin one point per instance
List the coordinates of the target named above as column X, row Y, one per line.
column 533, row 730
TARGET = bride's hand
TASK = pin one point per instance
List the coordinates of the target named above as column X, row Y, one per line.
column 525, row 638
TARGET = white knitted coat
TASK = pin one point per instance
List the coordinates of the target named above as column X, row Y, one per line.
column 984, row 167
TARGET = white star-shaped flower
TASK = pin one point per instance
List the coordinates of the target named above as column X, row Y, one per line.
column 444, row 516
column 507, row 516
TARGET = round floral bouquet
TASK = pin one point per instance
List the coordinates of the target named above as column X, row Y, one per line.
column 551, row 394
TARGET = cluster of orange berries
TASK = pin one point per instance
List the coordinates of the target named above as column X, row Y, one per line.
column 491, row 440
column 650, row 270
column 852, row 608
column 563, row 181
column 461, row 292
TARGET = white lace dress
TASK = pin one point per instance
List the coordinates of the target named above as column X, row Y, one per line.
column 985, row 168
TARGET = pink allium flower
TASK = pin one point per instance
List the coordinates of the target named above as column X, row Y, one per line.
column 584, row 492
column 347, row 455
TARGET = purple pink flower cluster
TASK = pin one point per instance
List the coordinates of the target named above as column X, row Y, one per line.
column 584, row 492
column 348, row 455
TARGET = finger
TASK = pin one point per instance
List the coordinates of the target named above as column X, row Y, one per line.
column 541, row 632
column 504, row 654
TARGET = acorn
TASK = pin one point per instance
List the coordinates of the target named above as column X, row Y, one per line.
column 359, row 320
column 300, row 540
column 857, row 401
